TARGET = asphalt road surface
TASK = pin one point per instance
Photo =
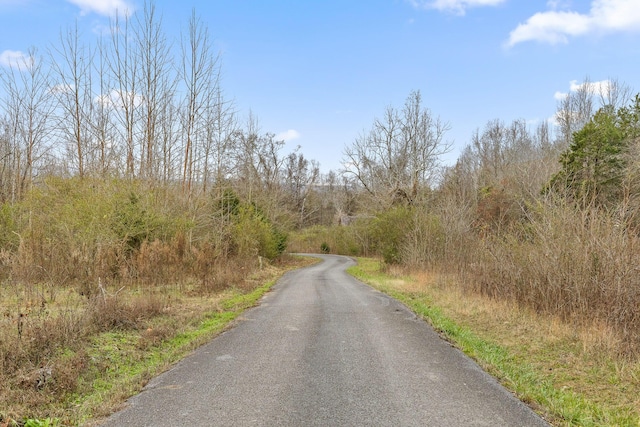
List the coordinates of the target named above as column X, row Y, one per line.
column 323, row 349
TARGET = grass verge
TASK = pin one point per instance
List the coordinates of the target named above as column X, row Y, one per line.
column 116, row 364
column 559, row 370
column 129, row 370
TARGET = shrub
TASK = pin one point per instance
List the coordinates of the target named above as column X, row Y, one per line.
column 9, row 238
column 577, row 264
column 389, row 230
column 425, row 241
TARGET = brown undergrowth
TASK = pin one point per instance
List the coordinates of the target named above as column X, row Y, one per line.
column 578, row 357
column 124, row 260
column 57, row 355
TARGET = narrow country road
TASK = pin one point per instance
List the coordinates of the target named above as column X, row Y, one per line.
column 323, row 349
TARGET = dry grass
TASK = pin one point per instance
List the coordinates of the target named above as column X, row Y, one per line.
column 578, row 265
column 84, row 258
column 53, row 350
column 581, row 357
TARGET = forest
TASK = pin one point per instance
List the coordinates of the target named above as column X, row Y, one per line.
column 125, row 169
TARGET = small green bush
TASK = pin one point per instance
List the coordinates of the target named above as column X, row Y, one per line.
column 46, row 422
column 254, row 234
column 388, row 232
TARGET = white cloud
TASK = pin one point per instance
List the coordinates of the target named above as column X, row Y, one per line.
column 104, row 7
column 600, row 88
column 16, row 59
column 455, row 6
column 559, row 96
column 551, row 27
column 115, row 99
column 555, row 27
column 288, row 135
column 554, row 120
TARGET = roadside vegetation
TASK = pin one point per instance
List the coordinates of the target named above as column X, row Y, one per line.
column 139, row 212
column 547, row 225
column 570, row 377
column 542, row 230
column 104, row 286
column 88, row 376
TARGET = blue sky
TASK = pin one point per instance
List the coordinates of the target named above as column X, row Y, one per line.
column 317, row 72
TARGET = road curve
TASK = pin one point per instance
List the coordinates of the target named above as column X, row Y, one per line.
column 323, row 349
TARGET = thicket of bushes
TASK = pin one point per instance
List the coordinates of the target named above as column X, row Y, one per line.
column 550, row 226
column 79, row 257
column 72, row 231
column 581, row 265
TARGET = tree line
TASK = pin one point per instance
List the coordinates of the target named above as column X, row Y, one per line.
column 133, row 105
column 545, row 216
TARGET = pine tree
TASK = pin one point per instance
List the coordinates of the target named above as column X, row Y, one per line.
column 592, row 168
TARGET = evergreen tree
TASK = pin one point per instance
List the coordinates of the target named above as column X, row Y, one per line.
column 593, row 166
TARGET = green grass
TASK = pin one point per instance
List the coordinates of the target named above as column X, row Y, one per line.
column 560, row 406
column 129, row 368
column 94, row 373
column 45, row 422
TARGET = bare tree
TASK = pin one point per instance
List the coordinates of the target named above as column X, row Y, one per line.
column 269, row 161
column 500, row 147
column 245, row 158
column 156, row 84
column 424, row 135
column 259, row 169
column 28, row 108
column 123, row 98
column 107, row 158
column 400, row 153
column 575, row 110
column 71, row 63
column 199, row 76
column 507, row 154
column 300, row 175
column 542, row 136
column 169, row 141
column 221, row 126
column 6, row 161
column 257, row 161
column 615, row 93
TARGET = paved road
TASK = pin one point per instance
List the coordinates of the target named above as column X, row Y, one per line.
column 323, row 349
